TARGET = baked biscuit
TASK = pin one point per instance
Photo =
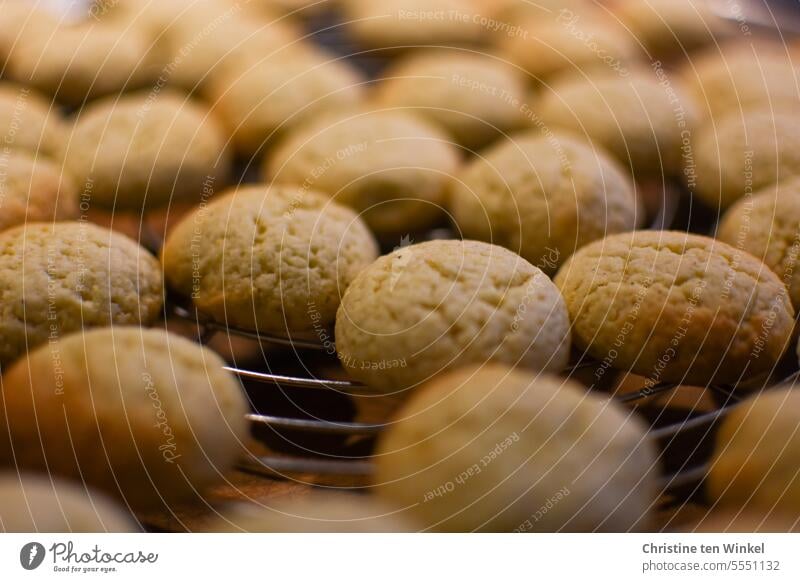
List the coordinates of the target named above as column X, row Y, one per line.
column 34, row 190
column 144, row 151
column 39, row 504
column 392, row 167
column 544, row 196
column 745, row 151
column 28, row 122
column 259, row 102
column 644, row 119
column 676, row 307
column 268, row 259
column 755, row 460
column 62, row 277
column 431, row 307
column 475, row 98
column 767, row 225
column 146, row 416
column 498, row 449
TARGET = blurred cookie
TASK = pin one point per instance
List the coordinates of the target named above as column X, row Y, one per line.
column 40, row 504
column 676, row 307
column 431, row 307
column 146, row 416
column 28, row 122
column 544, row 196
column 34, row 190
column 392, row 167
column 744, row 151
column 268, row 259
column 498, row 449
column 643, row 118
column 476, row 98
column 21, row 19
column 62, row 277
column 144, row 151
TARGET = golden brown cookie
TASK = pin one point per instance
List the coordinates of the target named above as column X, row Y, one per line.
column 34, row 190
column 742, row 152
column 392, row 167
column 268, row 259
column 146, row 416
column 475, row 98
column 28, row 122
column 147, row 150
column 61, row 277
column 767, row 225
column 643, row 118
column 498, row 449
column 755, row 460
column 39, row 504
column 259, row 102
column 544, row 196
column 431, row 307
column 676, row 307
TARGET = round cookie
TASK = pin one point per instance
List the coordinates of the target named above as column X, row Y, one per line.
column 62, row 277
column 259, row 102
column 499, row 449
column 28, row 122
column 742, row 152
column 38, row 504
column 393, row 167
column 144, row 151
column 669, row 28
column 544, row 196
column 573, row 41
column 643, row 119
column 431, row 307
column 146, row 416
column 767, row 226
column 84, row 61
column 476, row 98
column 737, row 77
column 407, row 24
column 755, row 456
column 314, row 513
column 268, row 259
column 34, row 190
column 676, row 307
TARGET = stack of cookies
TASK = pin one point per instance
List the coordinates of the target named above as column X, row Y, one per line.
column 455, row 198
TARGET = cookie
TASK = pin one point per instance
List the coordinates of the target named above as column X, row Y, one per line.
column 84, row 61
column 34, row 190
column 39, row 504
column 407, row 24
column 544, row 196
column 676, row 307
column 146, row 416
column 643, row 118
column 28, row 122
column 147, row 150
column 504, row 450
column 313, row 513
column 574, row 41
column 268, row 259
column 672, row 28
column 431, row 307
column 62, row 277
column 476, row 98
column 260, row 102
column 742, row 152
column 767, row 225
column 754, row 464
column 739, row 76
column 392, row 167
